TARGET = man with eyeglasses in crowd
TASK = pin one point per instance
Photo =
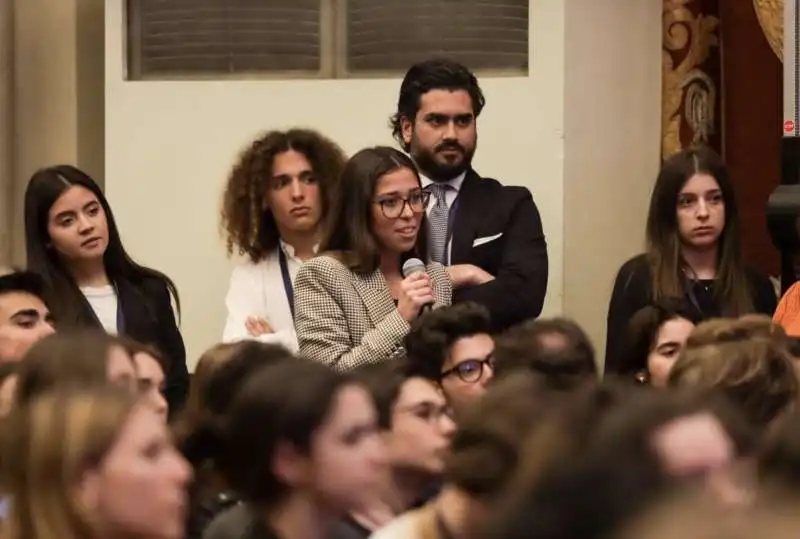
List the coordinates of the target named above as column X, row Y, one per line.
column 453, row 346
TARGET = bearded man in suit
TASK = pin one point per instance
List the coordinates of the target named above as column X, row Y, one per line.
column 473, row 221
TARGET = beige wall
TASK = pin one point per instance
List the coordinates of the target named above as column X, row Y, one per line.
column 58, row 92
column 612, row 103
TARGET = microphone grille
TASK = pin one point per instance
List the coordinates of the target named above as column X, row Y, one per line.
column 413, row 265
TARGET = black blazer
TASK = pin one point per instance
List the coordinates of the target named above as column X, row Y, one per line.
column 517, row 257
column 149, row 319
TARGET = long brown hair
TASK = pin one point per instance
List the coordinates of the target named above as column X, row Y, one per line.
column 664, row 243
column 348, row 228
column 47, row 445
column 249, row 227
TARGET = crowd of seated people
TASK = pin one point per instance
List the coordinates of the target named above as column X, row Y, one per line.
column 384, row 371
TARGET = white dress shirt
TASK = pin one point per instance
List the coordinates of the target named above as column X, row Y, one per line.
column 257, row 290
column 449, row 198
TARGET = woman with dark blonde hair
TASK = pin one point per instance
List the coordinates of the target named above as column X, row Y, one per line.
column 85, row 359
column 273, row 204
column 355, row 302
column 91, row 462
column 693, row 251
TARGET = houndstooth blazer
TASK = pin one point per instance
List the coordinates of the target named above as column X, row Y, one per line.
column 346, row 319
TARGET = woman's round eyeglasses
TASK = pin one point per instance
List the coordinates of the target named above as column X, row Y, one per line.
column 394, row 206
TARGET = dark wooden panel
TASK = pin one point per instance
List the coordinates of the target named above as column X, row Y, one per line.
column 752, row 102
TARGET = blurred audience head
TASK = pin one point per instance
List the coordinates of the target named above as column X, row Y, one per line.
column 779, row 455
column 24, row 316
column 224, row 373
column 8, row 387
column 746, row 360
column 556, row 349
column 693, row 514
column 414, row 418
column 91, row 462
column 642, row 449
column 86, row 358
column 453, row 346
column 298, row 432
column 488, row 448
column 207, row 365
column 151, row 368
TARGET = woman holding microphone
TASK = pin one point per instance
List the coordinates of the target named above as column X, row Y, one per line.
column 353, row 303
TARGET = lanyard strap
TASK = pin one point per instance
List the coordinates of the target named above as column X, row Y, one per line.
column 287, row 280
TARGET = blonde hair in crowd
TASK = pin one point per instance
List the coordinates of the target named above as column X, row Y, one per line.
column 747, row 359
column 47, row 445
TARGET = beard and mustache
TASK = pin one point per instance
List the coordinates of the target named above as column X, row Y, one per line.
column 440, row 168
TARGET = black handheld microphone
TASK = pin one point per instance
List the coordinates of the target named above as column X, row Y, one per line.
column 412, row 266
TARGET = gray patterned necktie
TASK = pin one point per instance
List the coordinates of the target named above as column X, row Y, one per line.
column 437, row 222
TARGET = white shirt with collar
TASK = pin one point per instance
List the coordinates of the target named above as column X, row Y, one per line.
column 450, row 196
column 257, row 290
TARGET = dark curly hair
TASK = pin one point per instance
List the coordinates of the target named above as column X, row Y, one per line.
column 432, row 335
column 436, row 74
column 246, row 225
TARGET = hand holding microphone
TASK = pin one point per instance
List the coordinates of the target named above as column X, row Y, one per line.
column 416, row 290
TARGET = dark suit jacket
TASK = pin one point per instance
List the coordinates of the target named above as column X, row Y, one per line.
column 149, row 319
column 506, row 223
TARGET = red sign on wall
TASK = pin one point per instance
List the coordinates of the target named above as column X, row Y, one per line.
column 788, row 126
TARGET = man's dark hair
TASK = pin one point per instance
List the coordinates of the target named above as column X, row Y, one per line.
column 556, row 348
column 384, row 382
column 436, row 74
column 27, row 282
column 432, row 334
column 487, row 448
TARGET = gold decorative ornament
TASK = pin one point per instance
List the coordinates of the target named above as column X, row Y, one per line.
column 687, row 39
column 770, row 17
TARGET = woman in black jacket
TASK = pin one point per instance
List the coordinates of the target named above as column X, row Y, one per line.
column 693, row 252
column 73, row 243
